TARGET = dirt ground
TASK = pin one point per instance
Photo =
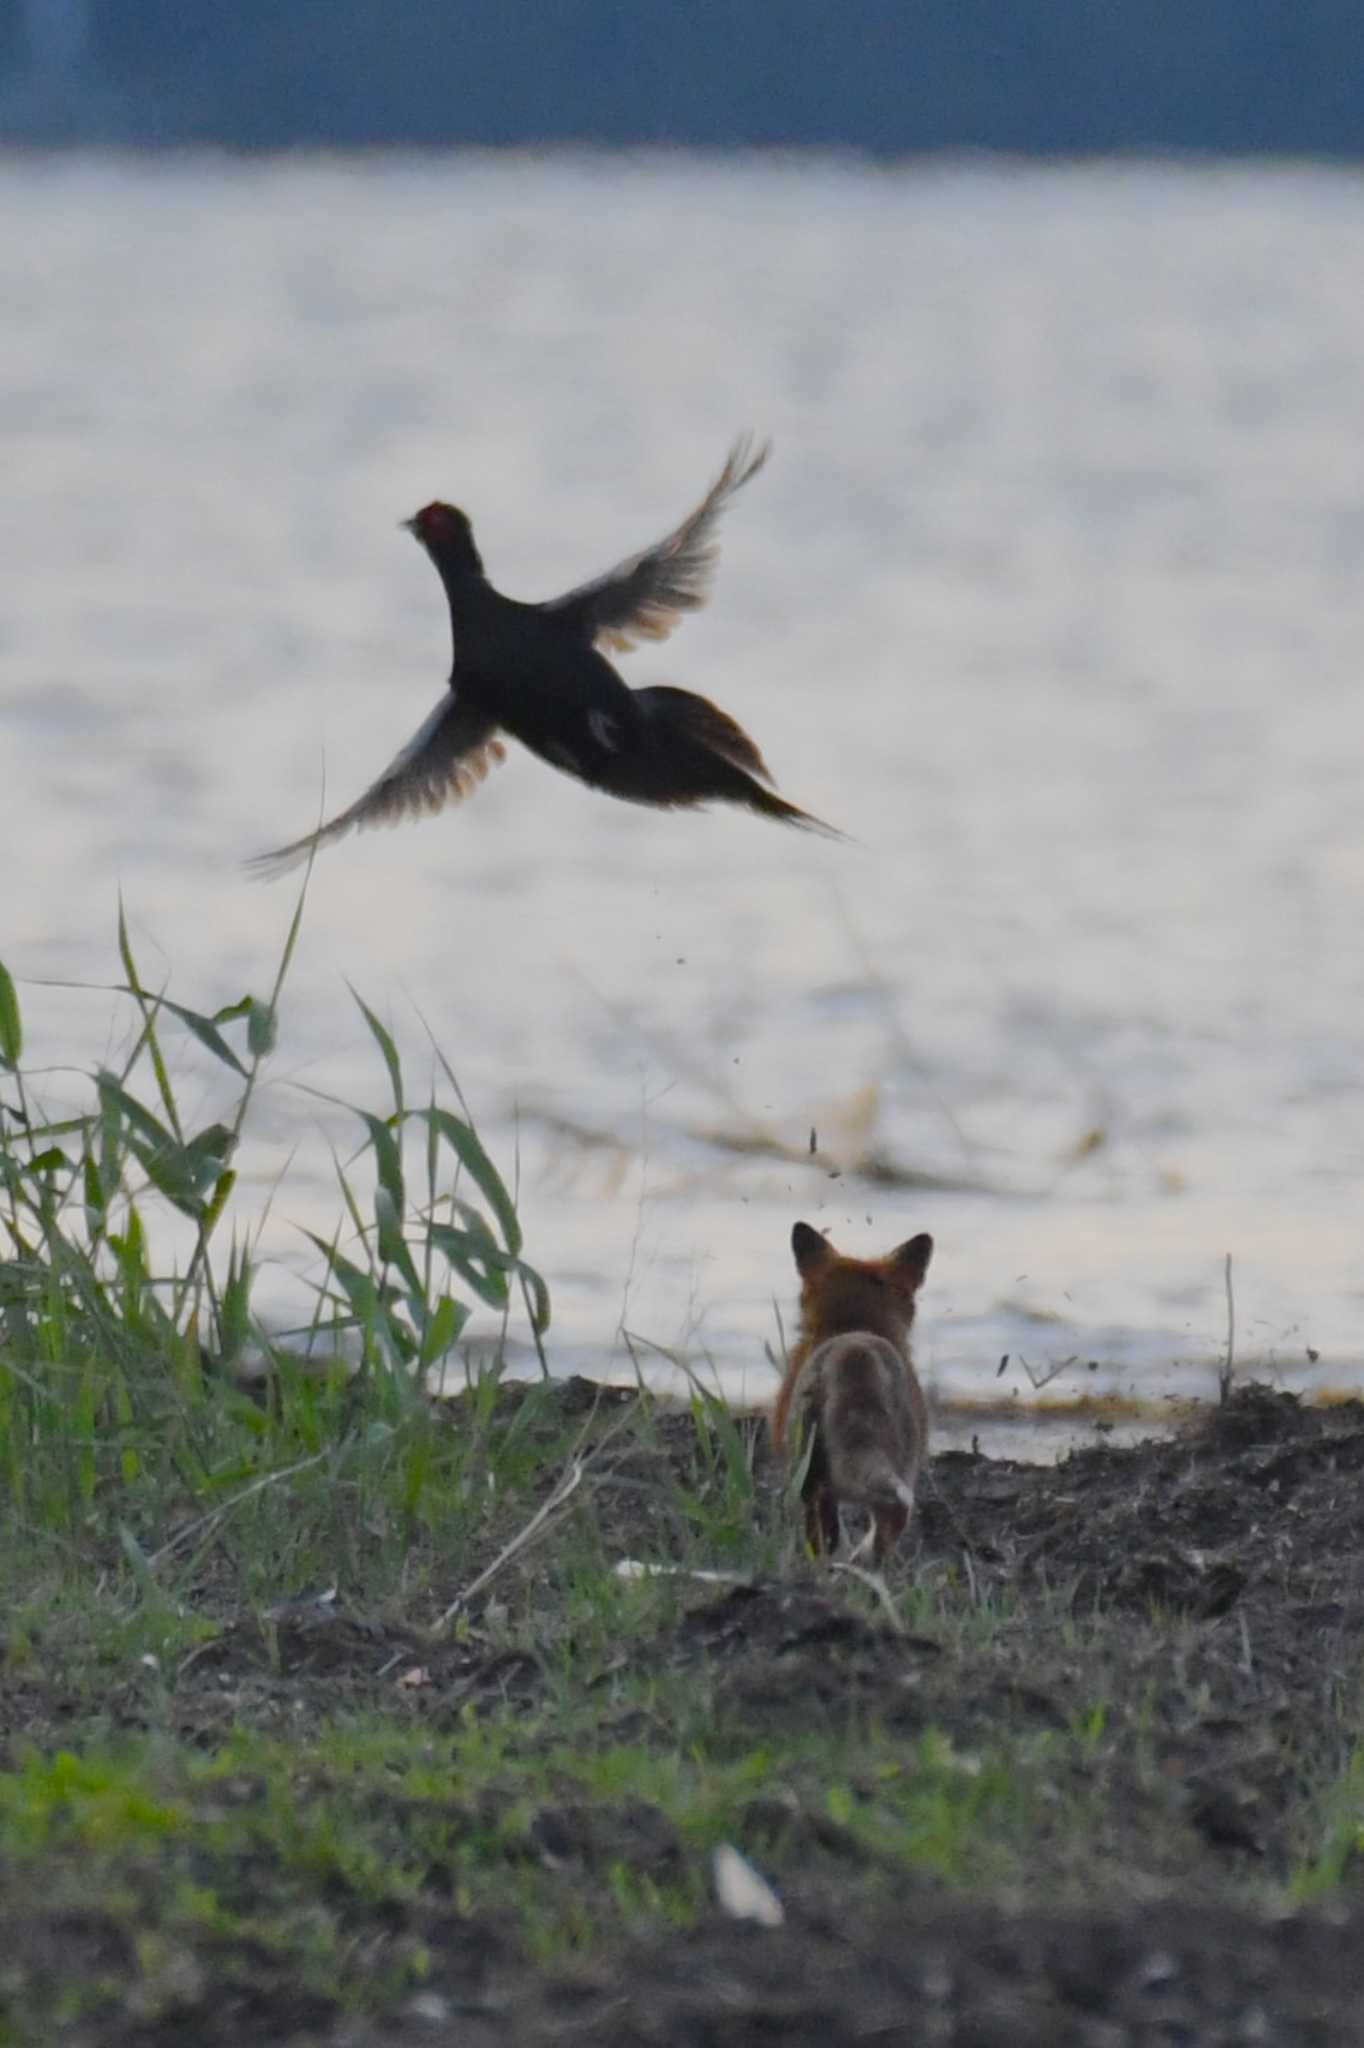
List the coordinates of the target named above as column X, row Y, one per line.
column 1207, row 1591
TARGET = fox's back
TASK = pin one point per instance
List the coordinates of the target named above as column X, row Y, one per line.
column 861, row 1397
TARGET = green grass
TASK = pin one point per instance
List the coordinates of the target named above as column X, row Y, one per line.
column 295, row 1846
column 119, row 1403
column 1333, row 1833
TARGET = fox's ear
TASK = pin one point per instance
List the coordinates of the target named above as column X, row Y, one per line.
column 812, row 1251
column 911, row 1259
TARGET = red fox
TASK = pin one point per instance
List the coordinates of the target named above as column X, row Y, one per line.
column 851, row 1386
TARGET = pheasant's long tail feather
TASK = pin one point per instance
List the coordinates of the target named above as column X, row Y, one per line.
column 712, row 757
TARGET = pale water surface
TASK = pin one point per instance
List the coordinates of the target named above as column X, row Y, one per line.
column 1053, row 594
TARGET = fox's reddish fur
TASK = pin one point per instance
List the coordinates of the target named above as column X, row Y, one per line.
column 850, row 1386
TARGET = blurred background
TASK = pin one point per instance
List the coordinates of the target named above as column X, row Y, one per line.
column 1050, row 596
column 1057, row 76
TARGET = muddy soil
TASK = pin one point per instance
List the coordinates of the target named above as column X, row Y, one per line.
column 1207, row 1589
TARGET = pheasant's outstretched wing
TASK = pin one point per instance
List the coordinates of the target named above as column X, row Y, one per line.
column 643, row 598
column 444, row 761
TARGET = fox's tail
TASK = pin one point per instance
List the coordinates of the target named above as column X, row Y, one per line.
column 903, row 1492
column 900, row 1490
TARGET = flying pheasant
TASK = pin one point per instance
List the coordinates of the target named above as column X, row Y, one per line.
column 538, row 673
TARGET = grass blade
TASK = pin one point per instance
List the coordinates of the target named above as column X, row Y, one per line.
column 465, row 1143
column 11, row 1030
column 148, row 1005
column 383, row 1039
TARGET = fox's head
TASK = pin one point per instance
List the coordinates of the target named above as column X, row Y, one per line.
column 840, row 1294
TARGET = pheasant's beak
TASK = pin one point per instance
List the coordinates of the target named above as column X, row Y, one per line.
column 408, row 525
